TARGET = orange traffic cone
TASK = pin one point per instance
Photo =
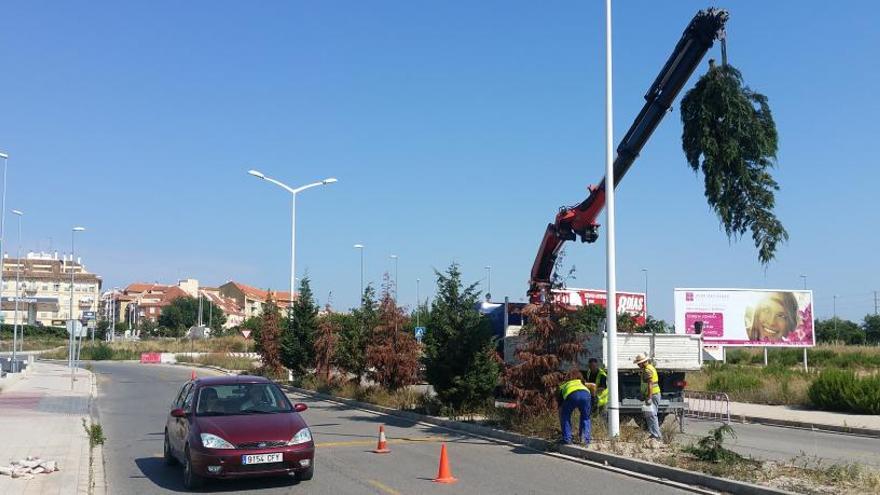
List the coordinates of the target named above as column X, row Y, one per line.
column 382, row 447
column 444, row 475
column 193, row 375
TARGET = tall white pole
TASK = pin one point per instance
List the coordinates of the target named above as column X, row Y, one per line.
column 3, row 226
column 418, row 301
column 292, row 247
column 611, row 301
column 17, row 295
column 74, row 356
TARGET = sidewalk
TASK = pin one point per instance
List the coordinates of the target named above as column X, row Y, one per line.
column 794, row 416
column 40, row 416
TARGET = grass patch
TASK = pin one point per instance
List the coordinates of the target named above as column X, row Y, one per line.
column 220, row 360
column 822, row 356
column 31, row 343
column 774, row 385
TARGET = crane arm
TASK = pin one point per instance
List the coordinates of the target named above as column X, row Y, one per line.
column 580, row 220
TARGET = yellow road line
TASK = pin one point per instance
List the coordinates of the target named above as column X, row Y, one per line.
column 385, row 488
column 372, row 442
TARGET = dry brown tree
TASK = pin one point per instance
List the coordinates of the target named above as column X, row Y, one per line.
column 547, row 347
column 393, row 352
column 325, row 345
column 270, row 337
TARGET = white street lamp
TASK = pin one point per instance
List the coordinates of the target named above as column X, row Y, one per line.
column 17, row 293
column 488, row 283
column 361, row 248
column 293, row 192
column 71, row 320
column 645, row 270
column 611, row 268
column 5, row 158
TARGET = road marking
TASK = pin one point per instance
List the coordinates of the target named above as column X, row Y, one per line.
column 385, row 488
column 351, row 443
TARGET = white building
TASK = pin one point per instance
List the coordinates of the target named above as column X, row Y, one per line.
column 44, row 290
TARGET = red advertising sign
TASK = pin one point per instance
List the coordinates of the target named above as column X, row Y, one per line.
column 632, row 303
column 151, row 357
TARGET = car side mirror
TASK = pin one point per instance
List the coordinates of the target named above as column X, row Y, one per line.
column 300, row 407
column 178, row 412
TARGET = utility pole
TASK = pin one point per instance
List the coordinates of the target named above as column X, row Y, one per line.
column 488, row 283
column 646, row 292
column 419, row 301
column 804, row 277
column 875, row 303
column 835, row 318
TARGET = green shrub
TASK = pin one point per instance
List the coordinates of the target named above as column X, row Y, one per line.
column 733, row 381
column 100, row 352
column 842, row 390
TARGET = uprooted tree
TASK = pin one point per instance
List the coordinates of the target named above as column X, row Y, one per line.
column 393, row 352
column 730, row 136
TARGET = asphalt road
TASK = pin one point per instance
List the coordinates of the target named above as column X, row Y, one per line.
column 133, row 402
column 784, row 444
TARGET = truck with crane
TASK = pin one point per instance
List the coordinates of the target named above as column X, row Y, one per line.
column 673, row 354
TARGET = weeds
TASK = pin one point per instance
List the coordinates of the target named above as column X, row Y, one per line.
column 220, row 360
column 95, row 433
column 711, row 447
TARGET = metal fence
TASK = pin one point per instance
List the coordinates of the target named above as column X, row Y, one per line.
column 713, row 406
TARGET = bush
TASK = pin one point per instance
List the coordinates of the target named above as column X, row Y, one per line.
column 841, row 390
column 101, row 352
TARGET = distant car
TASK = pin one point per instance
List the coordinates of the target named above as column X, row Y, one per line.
column 237, row 426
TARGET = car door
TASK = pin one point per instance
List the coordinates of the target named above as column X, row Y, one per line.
column 176, row 425
column 185, row 422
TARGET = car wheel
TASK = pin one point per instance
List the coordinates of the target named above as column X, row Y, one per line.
column 306, row 474
column 191, row 480
column 170, row 460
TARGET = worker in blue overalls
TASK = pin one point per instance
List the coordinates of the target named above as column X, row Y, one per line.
column 574, row 394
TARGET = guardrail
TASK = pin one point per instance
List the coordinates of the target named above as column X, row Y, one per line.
column 713, row 406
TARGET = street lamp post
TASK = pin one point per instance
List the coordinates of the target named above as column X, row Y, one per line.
column 488, row 283
column 835, row 317
column 645, row 271
column 804, row 277
column 418, row 301
column 293, row 192
column 5, row 158
column 611, row 268
column 361, row 248
column 395, row 258
column 71, row 320
column 17, row 295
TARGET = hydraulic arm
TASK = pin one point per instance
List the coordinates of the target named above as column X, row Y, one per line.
column 580, row 220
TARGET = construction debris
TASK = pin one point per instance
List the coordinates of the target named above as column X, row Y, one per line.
column 28, row 467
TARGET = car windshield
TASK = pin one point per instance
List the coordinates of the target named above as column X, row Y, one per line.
column 241, row 398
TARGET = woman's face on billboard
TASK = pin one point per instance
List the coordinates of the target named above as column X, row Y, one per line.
column 771, row 320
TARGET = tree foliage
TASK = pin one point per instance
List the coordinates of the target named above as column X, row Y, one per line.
column 871, row 325
column 270, row 337
column 730, row 136
column 354, row 335
column 298, row 343
column 549, row 344
column 393, row 353
column 460, row 356
column 183, row 313
column 326, row 339
column 839, row 330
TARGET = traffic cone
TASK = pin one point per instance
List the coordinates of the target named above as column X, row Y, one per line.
column 192, row 376
column 444, row 475
column 382, row 447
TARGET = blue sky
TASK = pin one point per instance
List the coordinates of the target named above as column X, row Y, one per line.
column 456, row 130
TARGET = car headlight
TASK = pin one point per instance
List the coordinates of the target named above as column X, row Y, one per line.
column 214, row 442
column 302, row 436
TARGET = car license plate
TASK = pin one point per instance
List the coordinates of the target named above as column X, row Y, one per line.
column 261, row 458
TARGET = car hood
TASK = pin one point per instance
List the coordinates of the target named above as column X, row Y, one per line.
column 252, row 427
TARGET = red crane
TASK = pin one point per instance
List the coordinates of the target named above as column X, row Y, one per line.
column 580, row 220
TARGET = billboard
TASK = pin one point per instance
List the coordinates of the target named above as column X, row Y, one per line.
column 747, row 317
column 632, row 303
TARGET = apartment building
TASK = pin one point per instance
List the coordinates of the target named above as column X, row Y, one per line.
column 44, row 291
column 250, row 299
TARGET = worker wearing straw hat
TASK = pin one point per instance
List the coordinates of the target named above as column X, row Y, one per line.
column 650, row 394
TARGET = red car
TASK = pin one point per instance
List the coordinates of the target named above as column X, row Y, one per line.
column 237, row 426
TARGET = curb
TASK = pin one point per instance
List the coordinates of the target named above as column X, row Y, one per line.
column 99, row 483
column 849, row 430
column 677, row 475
